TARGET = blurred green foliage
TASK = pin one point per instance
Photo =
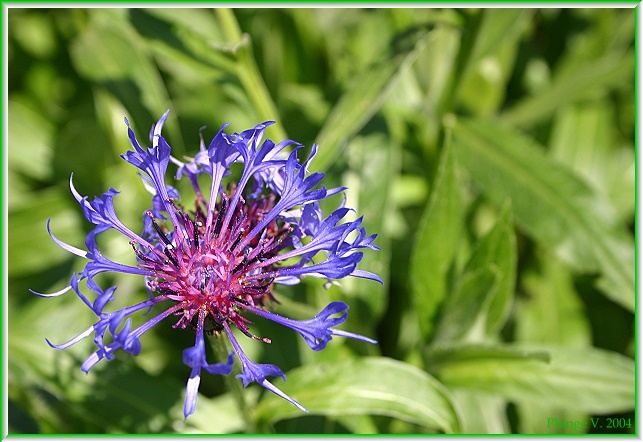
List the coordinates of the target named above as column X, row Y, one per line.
column 492, row 150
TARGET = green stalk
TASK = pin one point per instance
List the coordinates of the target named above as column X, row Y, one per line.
column 221, row 352
column 248, row 72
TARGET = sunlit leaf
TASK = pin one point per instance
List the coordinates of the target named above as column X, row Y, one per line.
column 481, row 413
column 218, row 415
column 365, row 386
column 582, row 379
column 585, row 138
column 30, row 137
column 32, row 248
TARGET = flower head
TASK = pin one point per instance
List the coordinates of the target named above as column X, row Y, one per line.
column 218, row 262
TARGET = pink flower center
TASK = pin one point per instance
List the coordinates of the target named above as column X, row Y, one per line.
column 209, row 274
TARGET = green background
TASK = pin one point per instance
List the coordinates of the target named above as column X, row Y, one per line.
column 492, row 150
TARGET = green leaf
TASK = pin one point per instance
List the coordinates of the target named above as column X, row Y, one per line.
column 436, row 242
column 552, row 312
column 586, row 138
column 609, row 71
column 498, row 248
column 409, row 191
column 435, row 65
column 483, row 85
column 125, row 399
column 31, row 359
column 110, row 52
column 189, row 23
column 370, row 385
column 499, row 26
column 586, row 380
column 363, row 99
column 31, row 136
column 374, row 161
column 581, row 137
column 32, row 250
column 217, row 415
column 42, row 379
column 482, row 413
column 467, row 303
column 438, row 356
column 549, row 201
column 359, row 424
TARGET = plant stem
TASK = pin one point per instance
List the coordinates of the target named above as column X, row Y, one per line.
column 248, row 72
column 221, row 352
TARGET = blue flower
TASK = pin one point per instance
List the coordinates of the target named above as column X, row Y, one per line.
column 219, row 261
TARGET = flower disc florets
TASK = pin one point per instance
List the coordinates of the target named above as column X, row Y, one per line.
column 208, row 272
column 215, row 263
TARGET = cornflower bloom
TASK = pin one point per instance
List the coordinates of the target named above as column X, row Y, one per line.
column 217, row 263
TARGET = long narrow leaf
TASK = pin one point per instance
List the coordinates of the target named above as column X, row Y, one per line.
column 436, row 242
column 608, row 71
column 550, row 202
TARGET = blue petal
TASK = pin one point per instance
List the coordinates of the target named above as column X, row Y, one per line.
column 252, row 372
column 194, row 357
column 317, row 331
